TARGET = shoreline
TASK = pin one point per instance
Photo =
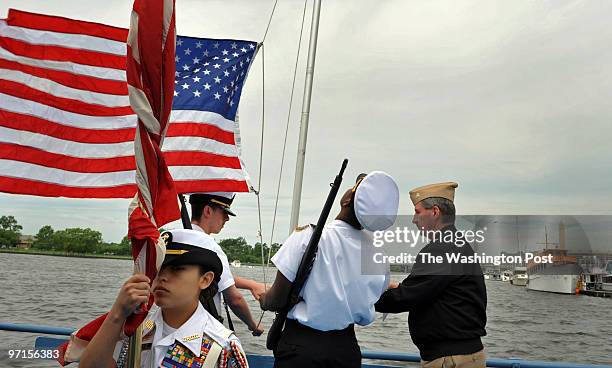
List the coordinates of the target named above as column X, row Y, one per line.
column 61, row 254
column 39, row 252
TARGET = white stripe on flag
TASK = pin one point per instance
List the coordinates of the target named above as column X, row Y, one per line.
column 110, row 150
column 24, row 170
column 59, row 90
column 75, row 41
column 29, row 107
column 204, row 117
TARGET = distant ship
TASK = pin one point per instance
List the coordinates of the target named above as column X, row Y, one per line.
column 519, row 276
column 560, row 276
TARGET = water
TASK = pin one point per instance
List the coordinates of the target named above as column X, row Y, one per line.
column 68, row 292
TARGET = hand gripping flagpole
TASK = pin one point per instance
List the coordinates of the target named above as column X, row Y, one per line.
column 150, row 77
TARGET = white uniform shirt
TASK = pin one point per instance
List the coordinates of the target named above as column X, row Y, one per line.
column 227, row 279
column 336, row 294
column 190, row 334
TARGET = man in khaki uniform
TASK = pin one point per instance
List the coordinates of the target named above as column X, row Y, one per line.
column 447, row 302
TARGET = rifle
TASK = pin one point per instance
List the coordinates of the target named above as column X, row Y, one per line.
column 276, row 329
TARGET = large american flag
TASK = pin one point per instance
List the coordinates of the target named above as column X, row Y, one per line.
column 66, row 126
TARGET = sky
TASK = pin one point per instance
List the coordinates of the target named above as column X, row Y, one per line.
column 508, row 98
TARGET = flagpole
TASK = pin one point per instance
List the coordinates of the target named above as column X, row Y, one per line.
column 301, row 153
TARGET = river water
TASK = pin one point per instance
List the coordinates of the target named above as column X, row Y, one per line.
column 68, row 292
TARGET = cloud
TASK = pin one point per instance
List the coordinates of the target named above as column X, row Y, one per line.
column 508, row 98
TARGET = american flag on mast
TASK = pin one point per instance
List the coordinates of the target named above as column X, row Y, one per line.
column 66, row 125
column 73, row 123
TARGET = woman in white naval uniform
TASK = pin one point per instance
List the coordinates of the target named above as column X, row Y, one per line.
column 319, row 331
column 178, row 331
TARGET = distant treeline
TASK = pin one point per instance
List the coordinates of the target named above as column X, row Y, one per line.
column 89, row 241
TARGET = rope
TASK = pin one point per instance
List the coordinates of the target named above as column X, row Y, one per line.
column 269, row 21
column 263, row 114
column 280, row 174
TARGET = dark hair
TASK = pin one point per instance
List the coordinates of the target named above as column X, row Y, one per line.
column 207, row 296
column 446, row 207
column 196, row 210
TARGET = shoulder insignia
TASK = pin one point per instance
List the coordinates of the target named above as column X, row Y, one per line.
column 302, row 228
column 149, row 324
column 166, row 236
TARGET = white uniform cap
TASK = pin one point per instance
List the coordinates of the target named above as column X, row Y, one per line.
column 376, row 201
column 229, row 195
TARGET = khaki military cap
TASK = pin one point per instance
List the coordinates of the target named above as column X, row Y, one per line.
column 442, row 190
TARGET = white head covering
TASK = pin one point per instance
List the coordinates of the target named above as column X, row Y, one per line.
column 376, row 201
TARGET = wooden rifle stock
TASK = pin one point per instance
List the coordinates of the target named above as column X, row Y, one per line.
column 276, row 329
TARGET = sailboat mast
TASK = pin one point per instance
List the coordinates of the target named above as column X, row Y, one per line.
column 301, row 153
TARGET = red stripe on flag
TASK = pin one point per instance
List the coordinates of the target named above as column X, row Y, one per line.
column 66, row 104
column 35, row 156
column 195, row 186
column 60, row 53
column 200, row 130
column 43, row 22
column 34, row 124
column 31, row 187
column 78, row 81
column 190, row 158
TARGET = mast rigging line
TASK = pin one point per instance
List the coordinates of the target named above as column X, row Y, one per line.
column 266, row 263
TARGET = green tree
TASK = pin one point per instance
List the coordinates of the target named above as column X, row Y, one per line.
column 77, row 240
column 44, row 238
column 10, row 231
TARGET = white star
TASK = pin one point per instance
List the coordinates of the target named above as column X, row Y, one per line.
column 206, row 72
column 252, row 46
column 175, row 93
column 207, row 86
column 177, row 74
column 188, row 52
column 217, row 96
column 234, row 68
column 206, row 64
column 185, row 86
column 232, row 84
column 199, row 45
column 197, row 70
column 235, row 54
column 216, row 58
column 226, row 59
column 196, row 61
column 225, row 89
column 243, row 50
column 217, row 66
column 225, row 52
column 205, row 52
column 241, row 64
column 196, row 93
column 216, row 45
column 234, row 45
column 179, row 42
column 242, row 73
column 185, row 67
column 217, row 79
column 196, row 79
column 177, row 59
column 226, row 73
column 248, row 59
column 231, row 103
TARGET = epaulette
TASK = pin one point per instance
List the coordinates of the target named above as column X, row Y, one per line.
column 166, row 236
column 300, row 228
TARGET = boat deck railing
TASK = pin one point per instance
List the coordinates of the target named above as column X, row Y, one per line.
column 265, row 361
